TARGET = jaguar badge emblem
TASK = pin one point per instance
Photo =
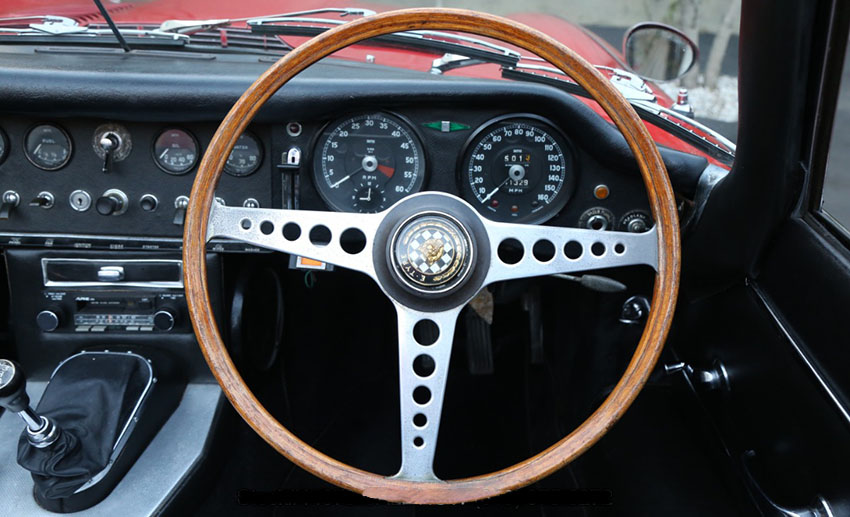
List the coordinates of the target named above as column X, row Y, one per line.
column 431, row 253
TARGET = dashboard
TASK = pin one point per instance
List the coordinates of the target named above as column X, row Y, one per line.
column 111, row 165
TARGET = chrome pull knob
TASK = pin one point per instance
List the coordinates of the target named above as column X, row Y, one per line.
column 112, row 202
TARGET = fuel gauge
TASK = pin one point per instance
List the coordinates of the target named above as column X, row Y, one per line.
column 48, row 147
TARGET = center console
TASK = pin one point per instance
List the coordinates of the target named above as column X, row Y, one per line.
column 66, row 300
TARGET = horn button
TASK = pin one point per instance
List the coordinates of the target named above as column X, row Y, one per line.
column 431, row 253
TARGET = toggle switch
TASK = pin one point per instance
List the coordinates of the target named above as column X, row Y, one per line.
column 11, row 199
column 44, row 200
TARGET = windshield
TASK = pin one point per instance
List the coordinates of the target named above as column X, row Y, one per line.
column 594, row 28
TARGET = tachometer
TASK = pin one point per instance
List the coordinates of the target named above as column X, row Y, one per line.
column 517, row 168
column 48, row 147
column 368, row 162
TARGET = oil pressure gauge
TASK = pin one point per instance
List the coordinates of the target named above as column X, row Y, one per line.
column 175, row 151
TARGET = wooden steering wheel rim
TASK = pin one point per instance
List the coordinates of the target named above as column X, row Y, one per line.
column 661, row 200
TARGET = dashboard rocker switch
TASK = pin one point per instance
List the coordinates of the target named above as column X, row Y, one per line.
column 11, row 199
column 44, row 200
column 112, row 202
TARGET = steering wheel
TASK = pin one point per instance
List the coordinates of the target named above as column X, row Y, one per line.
column 430, row 253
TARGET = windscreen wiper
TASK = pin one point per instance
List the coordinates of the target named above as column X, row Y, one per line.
column 45, row 29
column 118, row 36
column 436, row 42
column 192, row 26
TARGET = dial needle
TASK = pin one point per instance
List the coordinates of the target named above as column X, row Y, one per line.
column 340, row 182
column 495, row 190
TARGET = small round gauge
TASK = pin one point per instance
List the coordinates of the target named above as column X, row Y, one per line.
column 48, row 147
column 175, row 151
column 246, row 157
column 517, row 168
column 4, row 145
column 368, row 196
column 368, row 162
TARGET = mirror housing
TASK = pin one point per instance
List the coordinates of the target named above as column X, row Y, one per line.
column 659, row 52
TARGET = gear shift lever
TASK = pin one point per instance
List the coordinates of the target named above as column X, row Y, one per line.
column 41, row 431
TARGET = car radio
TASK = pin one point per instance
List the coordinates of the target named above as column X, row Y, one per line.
column 112, row 295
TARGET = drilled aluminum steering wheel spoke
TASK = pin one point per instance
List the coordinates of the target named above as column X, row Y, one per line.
column 564, row 250
column 424, row 350
column 341, row 239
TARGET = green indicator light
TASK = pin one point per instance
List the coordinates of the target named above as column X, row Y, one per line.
column 445, row 126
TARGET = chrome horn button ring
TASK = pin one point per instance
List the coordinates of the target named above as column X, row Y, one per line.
column 431, row 253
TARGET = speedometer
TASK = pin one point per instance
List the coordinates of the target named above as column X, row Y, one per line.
column 368, row 162
column 517, row 168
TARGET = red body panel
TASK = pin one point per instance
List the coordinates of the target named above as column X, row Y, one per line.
column 591, row 47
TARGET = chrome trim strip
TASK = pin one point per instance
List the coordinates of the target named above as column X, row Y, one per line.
column 164, row 284
column 657, row 109
column 765, row 300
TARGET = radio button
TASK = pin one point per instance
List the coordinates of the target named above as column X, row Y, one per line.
column 47, row 320
column 163, row 320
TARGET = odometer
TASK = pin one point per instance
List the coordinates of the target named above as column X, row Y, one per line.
column 368, row 162
column 517, row 169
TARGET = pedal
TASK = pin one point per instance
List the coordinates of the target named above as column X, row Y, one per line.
column 479, row 344
column 532, row 303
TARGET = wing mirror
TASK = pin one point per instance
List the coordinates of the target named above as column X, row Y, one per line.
column 659, row 52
